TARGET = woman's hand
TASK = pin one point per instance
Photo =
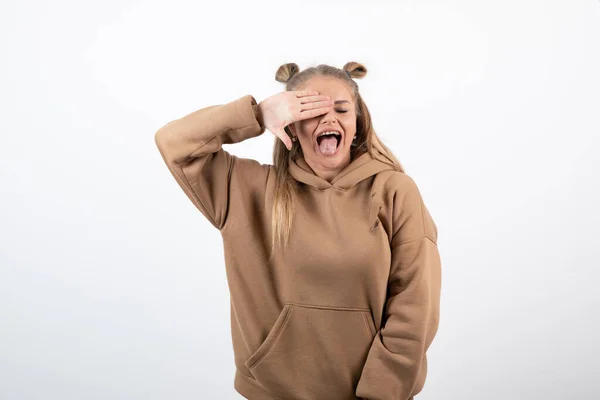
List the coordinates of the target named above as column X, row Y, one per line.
column 281, row 109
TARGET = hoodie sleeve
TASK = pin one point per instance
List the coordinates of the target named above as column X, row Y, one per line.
column 396, row 364
column 191, row 148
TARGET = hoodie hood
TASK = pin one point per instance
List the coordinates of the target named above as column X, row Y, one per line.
column 359, row 169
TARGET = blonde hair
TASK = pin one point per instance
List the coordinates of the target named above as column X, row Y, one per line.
column 366, row 139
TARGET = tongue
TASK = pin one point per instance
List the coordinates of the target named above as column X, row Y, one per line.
column 328, row 145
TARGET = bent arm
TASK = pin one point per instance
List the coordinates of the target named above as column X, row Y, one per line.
column 191, row 147
column 396, row 365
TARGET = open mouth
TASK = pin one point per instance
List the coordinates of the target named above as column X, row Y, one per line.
column 328, row 143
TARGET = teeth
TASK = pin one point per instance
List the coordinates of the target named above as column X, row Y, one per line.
column 329, row 133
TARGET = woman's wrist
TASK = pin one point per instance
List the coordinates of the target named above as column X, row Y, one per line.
column 258, row 114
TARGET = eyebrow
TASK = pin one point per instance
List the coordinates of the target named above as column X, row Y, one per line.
column 340, row 101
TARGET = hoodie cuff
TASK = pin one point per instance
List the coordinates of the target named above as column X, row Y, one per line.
column 245, row 122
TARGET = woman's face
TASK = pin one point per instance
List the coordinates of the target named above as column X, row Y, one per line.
column 328, row 154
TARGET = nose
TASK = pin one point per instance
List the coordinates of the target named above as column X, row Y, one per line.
column 329, row 118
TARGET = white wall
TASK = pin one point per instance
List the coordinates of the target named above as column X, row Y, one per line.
column 112, row 285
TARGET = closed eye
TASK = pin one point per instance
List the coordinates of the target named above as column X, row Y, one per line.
column 342, row 111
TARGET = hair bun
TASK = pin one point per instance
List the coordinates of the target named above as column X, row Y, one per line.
column 355, row 69
column 286, row 71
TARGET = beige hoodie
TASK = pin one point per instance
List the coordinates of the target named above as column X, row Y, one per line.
column 350, row 308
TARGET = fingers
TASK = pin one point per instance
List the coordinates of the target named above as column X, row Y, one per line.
column 285, row 139
column 306, row 92
column 317, row 104
column 310, row 99
column 311, row 113
column 312, row 104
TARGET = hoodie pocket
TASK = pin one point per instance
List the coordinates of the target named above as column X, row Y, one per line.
column 314, row 352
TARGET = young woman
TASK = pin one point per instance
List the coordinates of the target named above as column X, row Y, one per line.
column 331, row 255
